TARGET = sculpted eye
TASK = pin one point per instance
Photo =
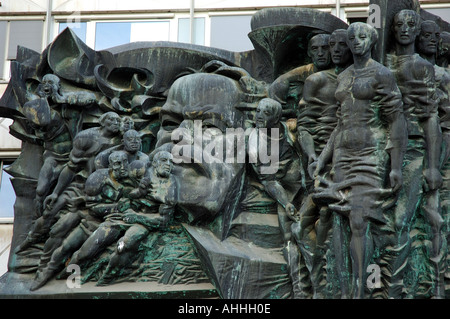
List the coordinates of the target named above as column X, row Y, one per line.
column 169, row 125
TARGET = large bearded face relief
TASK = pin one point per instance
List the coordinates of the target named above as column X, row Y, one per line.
column 198, row 125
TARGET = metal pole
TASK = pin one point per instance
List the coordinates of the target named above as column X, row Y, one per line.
column 191, row 22
column 338, row 8
column 48, row 21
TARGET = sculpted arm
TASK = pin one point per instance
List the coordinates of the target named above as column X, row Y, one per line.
column 432, row 130
column 392, row 106
column 278, row 90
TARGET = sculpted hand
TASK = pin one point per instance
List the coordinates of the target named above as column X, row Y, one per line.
column 396, row 179
column 145, row 182
column 319, row 167
column 50, row 201
column 291, row 211
column 130, row 218
column 433, row 178
column 312, row 165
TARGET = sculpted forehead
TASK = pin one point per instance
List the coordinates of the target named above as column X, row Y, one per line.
column 339, row 36
column 51, row 77
column 319, row 40
column 429, row 26
column 201, row 96
column 358, row 28
column 202, row 88
column 406, row 16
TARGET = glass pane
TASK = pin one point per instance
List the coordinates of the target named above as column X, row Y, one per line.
column 184, row 32
column 150, row 31
column 230, row 33
column 79, row 28
column 111, row 34
column 27, row 34
column 7, row 195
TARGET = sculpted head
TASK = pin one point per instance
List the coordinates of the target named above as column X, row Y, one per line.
column 118, row 164
column 428, row 39
column 362, row 37
column 444, row 45
column 406, row 26
column 341, row 54
column 132, row 141
column 268, row 113
column 49, row 86
column 163, row 163
column 319, row 51
column 200, row 110
column 110, row 122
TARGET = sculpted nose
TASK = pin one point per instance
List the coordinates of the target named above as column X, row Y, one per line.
column 187, row 125
column 184, row 133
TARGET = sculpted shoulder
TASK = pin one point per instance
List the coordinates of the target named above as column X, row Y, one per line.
column 318, row 78
column 96, row 181
column 383, row 72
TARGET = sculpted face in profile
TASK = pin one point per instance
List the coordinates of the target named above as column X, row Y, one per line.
column 199, row 112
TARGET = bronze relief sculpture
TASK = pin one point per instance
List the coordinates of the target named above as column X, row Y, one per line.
column 320, row 176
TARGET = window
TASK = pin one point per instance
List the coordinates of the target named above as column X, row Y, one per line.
column 27, row 34
column 79, row 28
column 7, row 194
column 443, row 13
column 231, row 33
column 356, row 19
column 3, row 30
column 184, row 31
column 110, row 34
column 356, row 15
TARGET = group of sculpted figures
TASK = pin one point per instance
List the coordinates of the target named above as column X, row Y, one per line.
column 365, row 158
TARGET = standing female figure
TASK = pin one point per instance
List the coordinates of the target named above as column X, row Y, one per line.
column 366, row 148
